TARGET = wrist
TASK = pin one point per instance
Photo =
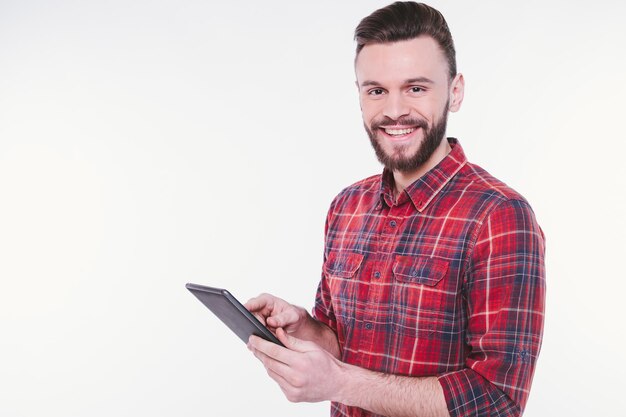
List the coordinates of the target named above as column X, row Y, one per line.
column 346, row 384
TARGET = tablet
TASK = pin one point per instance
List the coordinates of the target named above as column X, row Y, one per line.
column 232, row 313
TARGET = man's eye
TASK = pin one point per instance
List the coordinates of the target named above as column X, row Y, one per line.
column 376, row 92
column 417, row 89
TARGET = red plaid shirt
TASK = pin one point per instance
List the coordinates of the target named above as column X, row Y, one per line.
column 447, row 281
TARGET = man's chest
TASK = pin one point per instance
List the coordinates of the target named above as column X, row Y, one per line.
column 396, row 278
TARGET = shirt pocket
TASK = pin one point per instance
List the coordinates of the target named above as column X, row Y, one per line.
column 342, row 264
column 341, row 270
column 417, row 293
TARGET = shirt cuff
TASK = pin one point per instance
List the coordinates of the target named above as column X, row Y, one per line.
column 468, row 394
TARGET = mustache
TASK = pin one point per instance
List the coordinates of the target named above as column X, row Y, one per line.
column 402, row 121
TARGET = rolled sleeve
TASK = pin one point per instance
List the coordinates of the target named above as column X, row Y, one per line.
column 505, row 299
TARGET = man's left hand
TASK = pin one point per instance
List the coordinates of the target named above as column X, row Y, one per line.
column 303, row 370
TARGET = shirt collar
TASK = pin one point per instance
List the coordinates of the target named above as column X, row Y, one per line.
column 423, row 190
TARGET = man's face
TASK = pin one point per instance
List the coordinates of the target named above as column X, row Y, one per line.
column 405, row 96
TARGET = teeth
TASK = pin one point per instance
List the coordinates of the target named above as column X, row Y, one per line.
column 398, row 132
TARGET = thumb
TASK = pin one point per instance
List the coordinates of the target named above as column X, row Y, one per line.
column 284, row 318
column 291, row 342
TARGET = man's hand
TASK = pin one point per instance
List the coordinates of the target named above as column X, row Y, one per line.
column 303, row 370
column 274, row 312
column 306, row 372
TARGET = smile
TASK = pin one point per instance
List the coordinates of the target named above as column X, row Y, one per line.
column 399, row 132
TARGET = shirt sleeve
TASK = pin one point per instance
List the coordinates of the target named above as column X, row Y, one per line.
column 505, row 297
column 323, row 309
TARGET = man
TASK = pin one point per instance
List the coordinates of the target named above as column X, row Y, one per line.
column 431, row 299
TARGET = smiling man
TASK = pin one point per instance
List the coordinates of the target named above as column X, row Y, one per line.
column 431, row 299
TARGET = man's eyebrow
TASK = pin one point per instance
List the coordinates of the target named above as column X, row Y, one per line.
column 423, row 80
column 419, row 80
column 370, row 83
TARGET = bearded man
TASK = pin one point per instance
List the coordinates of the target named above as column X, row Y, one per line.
column 432, row 293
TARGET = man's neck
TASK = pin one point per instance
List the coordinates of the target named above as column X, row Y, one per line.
column 404, row 179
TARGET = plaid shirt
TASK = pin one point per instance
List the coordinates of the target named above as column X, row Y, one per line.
column 447, row 281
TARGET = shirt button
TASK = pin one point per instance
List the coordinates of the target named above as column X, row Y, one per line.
column 368, row 326
column 393, row 223
column 377, row 274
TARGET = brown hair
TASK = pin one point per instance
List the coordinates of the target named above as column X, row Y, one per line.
column 403, row 21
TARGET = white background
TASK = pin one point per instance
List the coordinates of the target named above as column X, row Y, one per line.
column 146, row 144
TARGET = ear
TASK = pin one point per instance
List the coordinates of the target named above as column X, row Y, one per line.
column 457, row 91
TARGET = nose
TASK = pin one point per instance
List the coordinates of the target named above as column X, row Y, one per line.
column 395, row 106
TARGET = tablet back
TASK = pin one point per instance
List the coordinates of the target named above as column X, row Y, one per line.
column 231, row 312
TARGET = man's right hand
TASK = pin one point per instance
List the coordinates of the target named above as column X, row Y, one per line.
column 275, row 312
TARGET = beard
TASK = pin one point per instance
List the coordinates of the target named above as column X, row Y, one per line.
column 398, row 161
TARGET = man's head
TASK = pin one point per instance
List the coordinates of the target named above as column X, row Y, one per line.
column 403, row 21
column 407, row 80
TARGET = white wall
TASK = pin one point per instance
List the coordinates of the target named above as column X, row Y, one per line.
column 148, row 144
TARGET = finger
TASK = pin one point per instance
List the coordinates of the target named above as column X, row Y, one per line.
column 284, row 374
column 272, row 364
column 290, row 342
column 259, row 303
column 259, row 307
column 284, row 318
column 285, row 386
column 293, row 343
column 260, row 318
column 278, row 378
column 290, row 390
column 271, row 349
column 252, row 341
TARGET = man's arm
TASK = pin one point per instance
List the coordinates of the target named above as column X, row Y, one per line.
column 306, row 372
column 309, row 368
column 505, row 295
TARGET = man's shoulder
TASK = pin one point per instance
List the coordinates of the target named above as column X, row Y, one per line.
column 485, row 189
column 486, row 197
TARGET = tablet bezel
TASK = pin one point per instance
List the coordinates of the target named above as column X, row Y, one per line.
column 232, row 313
